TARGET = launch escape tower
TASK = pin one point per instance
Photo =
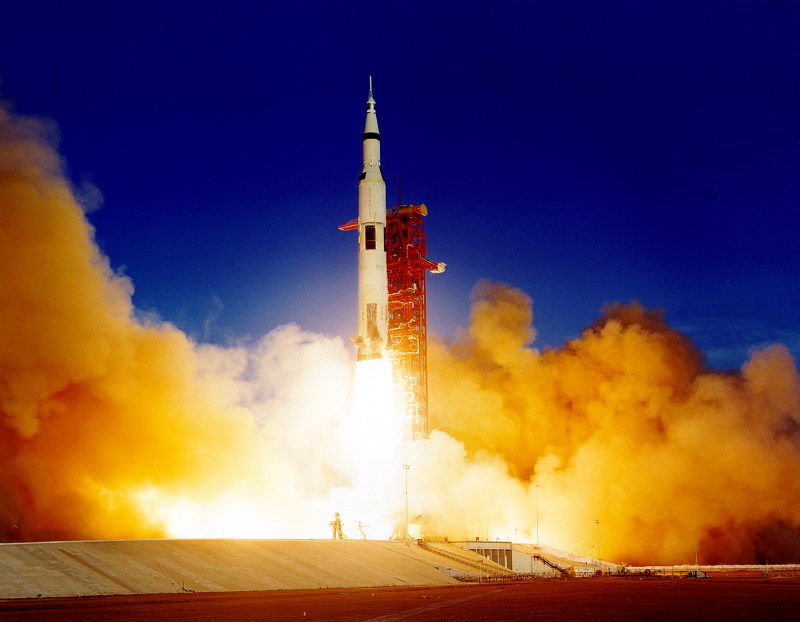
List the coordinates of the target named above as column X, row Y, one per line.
column 406, row 265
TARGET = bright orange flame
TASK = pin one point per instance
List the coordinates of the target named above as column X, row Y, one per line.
column 370, row 502
column 230, row 515
column 373, row 429
column 374, row 436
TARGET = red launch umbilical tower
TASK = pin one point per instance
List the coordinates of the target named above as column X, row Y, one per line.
column 406, row 265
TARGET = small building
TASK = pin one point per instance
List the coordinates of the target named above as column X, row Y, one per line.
column 584, row 571
column 498, row 552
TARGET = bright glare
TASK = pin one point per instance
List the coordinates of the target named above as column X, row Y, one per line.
column 228, row 516
column 373, row 431
column 374, row 436
column 369, row 504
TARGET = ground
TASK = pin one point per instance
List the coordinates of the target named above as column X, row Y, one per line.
column 608, row 598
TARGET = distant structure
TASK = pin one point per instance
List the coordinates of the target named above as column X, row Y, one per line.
column 336, row 525
column 406, row 265
column 391, row 283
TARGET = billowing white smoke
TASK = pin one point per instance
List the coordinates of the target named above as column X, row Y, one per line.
column 117, row 426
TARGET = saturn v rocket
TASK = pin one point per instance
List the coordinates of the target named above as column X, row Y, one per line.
column 392, row 264
column 373, row 294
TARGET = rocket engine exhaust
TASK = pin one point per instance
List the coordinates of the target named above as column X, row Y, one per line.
column 117, row 425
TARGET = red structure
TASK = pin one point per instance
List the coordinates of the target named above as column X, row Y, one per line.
column 406, row 265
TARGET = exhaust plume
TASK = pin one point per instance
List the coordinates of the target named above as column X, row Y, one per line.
column 95, row 403
column 117, row 425
column 637, row 452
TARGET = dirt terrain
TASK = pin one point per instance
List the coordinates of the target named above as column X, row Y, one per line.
column 640, row 599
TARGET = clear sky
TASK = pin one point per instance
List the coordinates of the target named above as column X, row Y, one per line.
column 585, row 152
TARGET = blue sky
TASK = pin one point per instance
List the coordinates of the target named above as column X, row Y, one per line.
column 585, row 152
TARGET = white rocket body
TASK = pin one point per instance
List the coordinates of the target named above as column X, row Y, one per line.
column 373, row 289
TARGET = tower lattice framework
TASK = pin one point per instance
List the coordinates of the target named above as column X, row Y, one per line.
column 406, row 265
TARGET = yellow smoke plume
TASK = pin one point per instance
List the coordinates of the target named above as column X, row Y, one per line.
column 94, row 403
column 116, row 425
column 113, row 424
column 637, row 450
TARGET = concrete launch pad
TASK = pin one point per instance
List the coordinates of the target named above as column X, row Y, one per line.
column 280, row 579
column 51, row 569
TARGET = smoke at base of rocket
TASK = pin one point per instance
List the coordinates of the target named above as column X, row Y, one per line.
column 105, row 417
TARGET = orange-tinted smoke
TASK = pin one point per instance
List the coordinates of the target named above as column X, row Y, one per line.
column 623, row 426
column 637, row 449
column 95, row 405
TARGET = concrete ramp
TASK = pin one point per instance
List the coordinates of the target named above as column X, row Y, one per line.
column 30, row 570
column 552, row 558
column 475, row 561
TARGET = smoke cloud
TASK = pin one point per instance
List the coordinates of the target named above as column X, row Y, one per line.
column 95, row 404
column 632, row 446
column 117, row 425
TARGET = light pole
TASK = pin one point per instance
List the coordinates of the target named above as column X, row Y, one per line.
column 597, row 538
column 406, row 467
column 537, row 513
column 672, row 560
